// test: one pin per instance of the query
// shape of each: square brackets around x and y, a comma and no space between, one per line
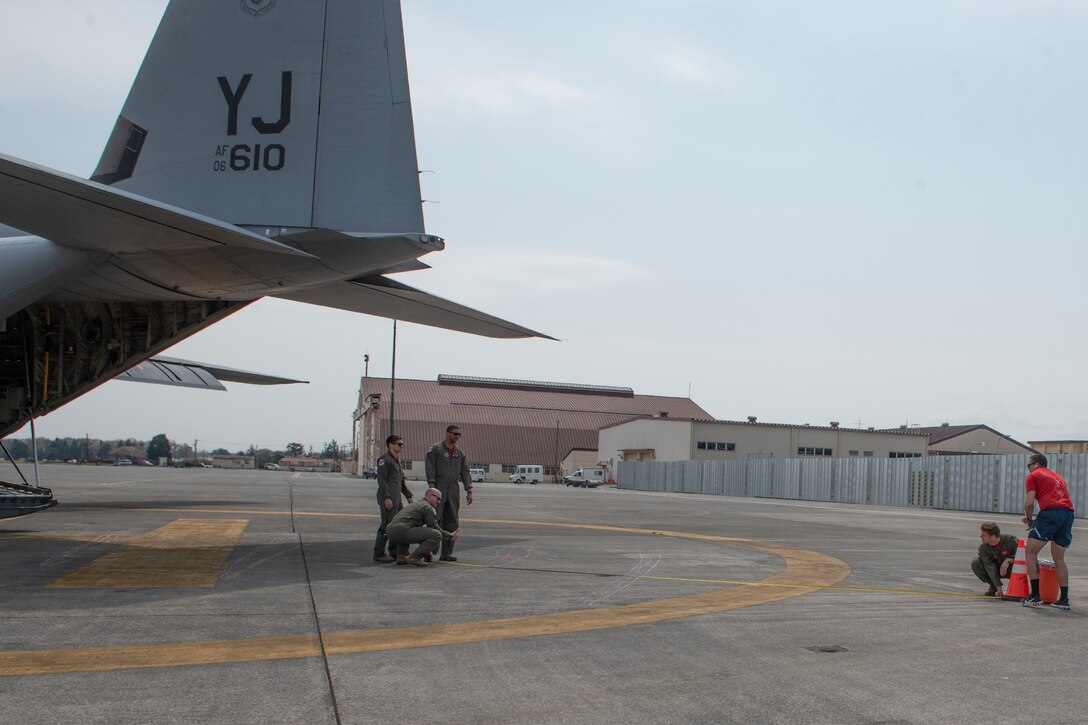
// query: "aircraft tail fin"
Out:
[276,114]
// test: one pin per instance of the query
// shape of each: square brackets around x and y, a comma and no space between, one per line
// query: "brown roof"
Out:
[513,422]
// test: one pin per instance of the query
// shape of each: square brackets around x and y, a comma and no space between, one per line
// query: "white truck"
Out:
[528,474]
[585,478]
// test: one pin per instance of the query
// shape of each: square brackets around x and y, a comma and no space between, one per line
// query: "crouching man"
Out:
[995,557]
[417,523]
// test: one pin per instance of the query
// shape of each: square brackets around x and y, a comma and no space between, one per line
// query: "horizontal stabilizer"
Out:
[86,215]
[188,374]
[376,295]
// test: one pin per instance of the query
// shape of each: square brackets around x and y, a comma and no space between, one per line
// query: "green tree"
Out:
[295,449]
[158,447]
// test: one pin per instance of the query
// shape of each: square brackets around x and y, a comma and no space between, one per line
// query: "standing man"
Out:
[995,557]
[1054,523]
[446,465]
[390,487]
[416,524]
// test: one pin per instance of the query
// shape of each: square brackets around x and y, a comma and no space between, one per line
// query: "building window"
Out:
[805,451]
[715,446]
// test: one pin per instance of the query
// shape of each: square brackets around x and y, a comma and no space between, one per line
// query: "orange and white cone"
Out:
[1018,587]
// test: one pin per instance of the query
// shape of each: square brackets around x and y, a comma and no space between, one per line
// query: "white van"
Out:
[477,474]
[528,474]
[586,477]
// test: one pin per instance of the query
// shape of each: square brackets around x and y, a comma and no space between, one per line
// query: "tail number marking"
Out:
[243,157]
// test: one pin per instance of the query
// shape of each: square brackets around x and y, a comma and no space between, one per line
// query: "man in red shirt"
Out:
[1054,523]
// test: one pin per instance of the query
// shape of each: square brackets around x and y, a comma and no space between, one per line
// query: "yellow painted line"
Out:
[184,553]
[805,571]
[735,582]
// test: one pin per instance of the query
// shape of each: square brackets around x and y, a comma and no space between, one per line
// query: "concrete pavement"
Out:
[200,595]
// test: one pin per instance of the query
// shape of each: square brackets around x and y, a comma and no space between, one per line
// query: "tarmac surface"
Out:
[200,595]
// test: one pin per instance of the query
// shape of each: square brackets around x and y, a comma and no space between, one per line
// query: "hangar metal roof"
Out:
[514,421]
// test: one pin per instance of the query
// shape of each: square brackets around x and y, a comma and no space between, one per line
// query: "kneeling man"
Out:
[995,557]
[417,523]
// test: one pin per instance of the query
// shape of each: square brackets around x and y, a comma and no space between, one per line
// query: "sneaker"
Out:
[383,558]
[447,557]
[415,562]
[1033,602]
[1062,604]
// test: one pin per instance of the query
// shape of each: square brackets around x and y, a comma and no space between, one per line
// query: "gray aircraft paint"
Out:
[265,149]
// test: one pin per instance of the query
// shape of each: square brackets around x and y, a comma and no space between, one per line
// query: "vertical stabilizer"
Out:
[279,113]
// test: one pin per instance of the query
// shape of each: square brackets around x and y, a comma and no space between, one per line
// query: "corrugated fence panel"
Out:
[1073,468]
[816,479]
[965,483]
[760,480]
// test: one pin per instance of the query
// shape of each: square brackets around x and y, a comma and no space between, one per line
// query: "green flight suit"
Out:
[391,485]
[987,565]
[445,468]
[416,523]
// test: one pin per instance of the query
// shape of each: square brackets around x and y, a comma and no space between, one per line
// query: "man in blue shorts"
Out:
[1054,523]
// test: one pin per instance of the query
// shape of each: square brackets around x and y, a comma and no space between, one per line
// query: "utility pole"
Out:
[393,383]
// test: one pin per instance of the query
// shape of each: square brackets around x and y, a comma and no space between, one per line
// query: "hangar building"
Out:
[656,439]
[504,422]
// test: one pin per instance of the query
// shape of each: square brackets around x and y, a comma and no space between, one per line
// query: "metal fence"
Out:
[964,483]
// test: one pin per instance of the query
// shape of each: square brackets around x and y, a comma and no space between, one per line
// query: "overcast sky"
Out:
[872,213]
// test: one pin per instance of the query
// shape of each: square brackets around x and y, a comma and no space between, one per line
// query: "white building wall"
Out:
[675,440]
[669,439]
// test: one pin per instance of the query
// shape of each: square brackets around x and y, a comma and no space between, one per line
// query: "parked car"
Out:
[371,472]
[477,474]
[271,467]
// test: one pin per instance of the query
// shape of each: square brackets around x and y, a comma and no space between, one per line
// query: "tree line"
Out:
[160,447]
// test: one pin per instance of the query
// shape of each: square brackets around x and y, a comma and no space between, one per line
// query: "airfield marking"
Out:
[806,571]
[183,553]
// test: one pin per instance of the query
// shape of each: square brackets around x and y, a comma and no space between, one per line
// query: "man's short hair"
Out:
[1038,458]
[452,427]
[392,439]
[991,528]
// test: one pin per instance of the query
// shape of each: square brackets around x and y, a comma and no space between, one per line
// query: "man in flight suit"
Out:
[390,487]
[995,557]
[416,524]
[446,466]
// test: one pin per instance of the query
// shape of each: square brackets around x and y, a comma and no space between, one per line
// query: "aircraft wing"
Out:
[381,296]
[86,215]
[188,374]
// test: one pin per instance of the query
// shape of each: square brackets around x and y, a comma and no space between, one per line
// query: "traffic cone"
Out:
[1018,587]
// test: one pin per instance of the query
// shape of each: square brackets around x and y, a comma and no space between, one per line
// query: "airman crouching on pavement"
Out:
[417,523]
[995,557]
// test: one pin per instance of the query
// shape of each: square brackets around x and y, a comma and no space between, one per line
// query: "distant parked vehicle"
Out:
[585,478]
[478,474]
[528,474]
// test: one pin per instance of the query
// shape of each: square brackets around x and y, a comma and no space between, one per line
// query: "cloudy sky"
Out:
[865,212]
